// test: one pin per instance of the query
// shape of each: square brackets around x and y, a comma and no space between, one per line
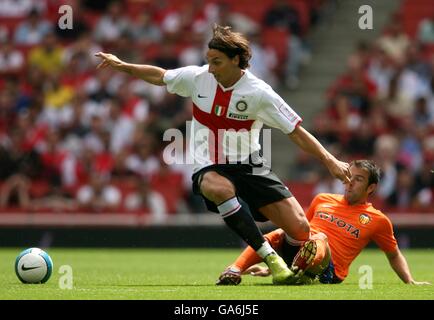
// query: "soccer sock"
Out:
[249,257]
[321,250]
[290,248]
[241,222]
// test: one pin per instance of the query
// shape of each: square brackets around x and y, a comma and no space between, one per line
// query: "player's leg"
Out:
[313,257]
[322,256]
[232,274]
[288,215]
[221,191]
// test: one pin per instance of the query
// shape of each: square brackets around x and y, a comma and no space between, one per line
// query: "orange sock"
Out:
[249,257]
[320,252]
[322,257]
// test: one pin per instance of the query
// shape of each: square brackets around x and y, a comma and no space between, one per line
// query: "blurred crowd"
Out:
[73,138]
[382,108]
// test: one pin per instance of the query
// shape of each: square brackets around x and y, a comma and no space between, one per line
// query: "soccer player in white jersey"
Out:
[231,104]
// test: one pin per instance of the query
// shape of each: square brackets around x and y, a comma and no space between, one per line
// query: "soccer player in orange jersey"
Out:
[341,226]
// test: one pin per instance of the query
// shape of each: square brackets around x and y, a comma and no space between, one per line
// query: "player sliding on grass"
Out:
[341,227]
[230,105]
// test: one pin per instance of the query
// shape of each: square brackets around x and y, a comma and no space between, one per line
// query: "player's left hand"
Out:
[108,60]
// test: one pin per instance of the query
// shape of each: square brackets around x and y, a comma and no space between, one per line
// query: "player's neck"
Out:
[359,202]
[234,79]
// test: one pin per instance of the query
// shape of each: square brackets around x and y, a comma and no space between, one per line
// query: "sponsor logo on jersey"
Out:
[241,106]
[353,231]
[291,116]
[238,116]
[219,110]
[364,218]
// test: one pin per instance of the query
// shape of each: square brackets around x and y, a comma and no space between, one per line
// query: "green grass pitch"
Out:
[190,274]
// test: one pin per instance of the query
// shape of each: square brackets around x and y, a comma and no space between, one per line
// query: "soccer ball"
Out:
[33,266]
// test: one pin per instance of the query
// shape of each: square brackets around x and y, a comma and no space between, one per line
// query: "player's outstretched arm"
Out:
[400,266]
[148,73]
[307,142]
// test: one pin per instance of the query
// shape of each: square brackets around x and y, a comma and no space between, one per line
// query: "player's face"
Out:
[225,70]
[358,190]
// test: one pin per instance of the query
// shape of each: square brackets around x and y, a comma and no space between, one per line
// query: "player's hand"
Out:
[258,271]
[419,283]
[340,170]
[108,60]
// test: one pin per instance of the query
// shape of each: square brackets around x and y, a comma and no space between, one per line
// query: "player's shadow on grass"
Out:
[193,285]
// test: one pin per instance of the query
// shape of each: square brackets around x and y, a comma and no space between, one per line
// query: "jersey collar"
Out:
[240,80]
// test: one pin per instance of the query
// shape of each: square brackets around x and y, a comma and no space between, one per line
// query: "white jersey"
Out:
[227,121]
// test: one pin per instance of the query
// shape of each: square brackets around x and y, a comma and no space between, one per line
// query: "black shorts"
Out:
[254,188]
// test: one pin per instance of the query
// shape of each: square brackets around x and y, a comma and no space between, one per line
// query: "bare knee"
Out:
[216,187]
[302,232]
[319,236]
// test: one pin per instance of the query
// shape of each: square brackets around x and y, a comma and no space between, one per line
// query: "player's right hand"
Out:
[108,60]
[340,170]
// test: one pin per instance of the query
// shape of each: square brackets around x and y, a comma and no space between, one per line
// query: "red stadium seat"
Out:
[278,40]
[39,188]
[413,12]
[303,10]
[302,191]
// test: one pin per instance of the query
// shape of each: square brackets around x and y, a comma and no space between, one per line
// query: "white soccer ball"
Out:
[33,266]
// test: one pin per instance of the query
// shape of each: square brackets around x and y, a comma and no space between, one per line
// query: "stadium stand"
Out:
[62,124]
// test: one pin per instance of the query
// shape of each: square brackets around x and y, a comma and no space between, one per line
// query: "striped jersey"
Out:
[226,122]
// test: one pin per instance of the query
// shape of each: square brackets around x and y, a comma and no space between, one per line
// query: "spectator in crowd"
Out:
[403,194]
[425,33]
[19,164]
[20,8]
[283,15]
[99,194]
[49,56]
[112,24]
[11,60]
[143,198]
[143,160]
[394,42]
[145,32]
[382,107]
[33,30]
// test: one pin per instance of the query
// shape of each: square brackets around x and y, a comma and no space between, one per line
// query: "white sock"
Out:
[229,207]
[292,241]
[265,250]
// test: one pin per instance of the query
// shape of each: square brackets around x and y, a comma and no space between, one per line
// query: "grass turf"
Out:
[190,274]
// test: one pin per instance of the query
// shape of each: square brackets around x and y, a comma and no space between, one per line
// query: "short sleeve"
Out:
[181,81]
[276,113]
[384,236]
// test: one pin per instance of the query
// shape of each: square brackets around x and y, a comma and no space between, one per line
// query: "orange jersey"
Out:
[349,228]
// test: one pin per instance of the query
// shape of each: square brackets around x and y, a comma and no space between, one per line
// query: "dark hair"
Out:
[370,167]
[231,44]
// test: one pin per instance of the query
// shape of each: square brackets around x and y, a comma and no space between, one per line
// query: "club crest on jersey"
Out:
[364,218]
[241,106]
[219,110]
